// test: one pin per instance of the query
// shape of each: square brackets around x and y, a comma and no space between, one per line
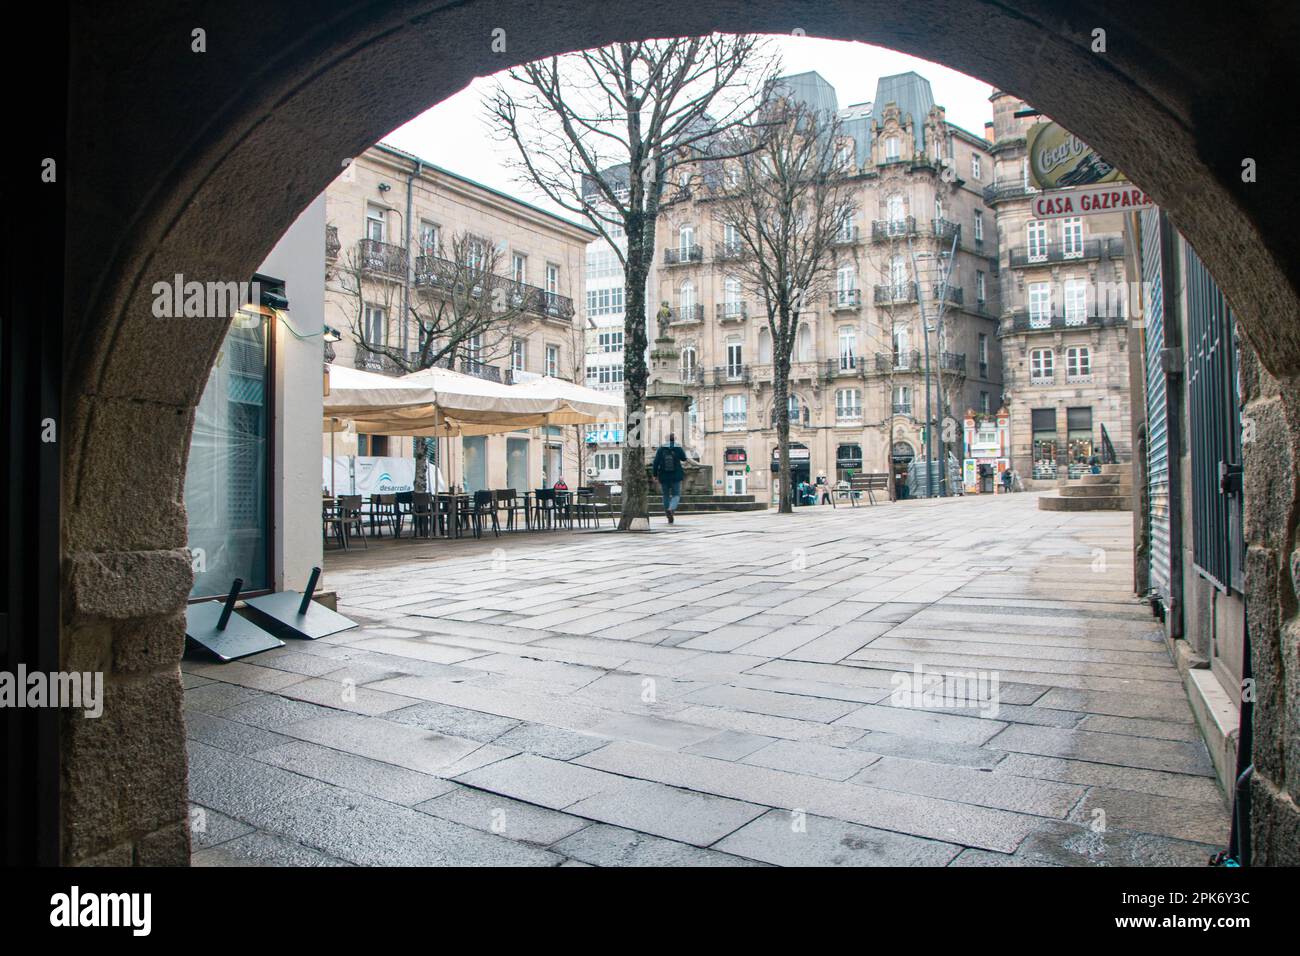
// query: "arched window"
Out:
[798,411]
[688,364]
[764,346]
[686,302]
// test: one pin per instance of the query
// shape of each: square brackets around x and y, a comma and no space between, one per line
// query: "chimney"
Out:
[988,131]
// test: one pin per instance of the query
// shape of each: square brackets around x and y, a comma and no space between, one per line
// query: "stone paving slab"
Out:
[783,839]
[695,696]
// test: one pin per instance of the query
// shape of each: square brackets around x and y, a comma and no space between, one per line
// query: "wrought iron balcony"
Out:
[953,362]
[1013,189]
[883,230]
[727,251]
[905,361]
[945,229]
[730,374]
[895,293]
[683,255]
[732,311]
[479,369]
[1021,320]
[1089,249]
[950,293]
[383,258]
[685,314]
[846,366]
[846,298]
[901,408]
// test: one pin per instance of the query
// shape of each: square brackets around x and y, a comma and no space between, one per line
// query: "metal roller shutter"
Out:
[1157,409]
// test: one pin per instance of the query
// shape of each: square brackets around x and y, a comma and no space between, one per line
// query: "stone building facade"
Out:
[1064,331]
[858,397]
[390,217]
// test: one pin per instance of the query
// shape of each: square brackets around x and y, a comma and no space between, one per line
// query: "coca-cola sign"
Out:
[1058,158]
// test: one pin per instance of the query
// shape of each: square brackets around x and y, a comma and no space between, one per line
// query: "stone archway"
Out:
[194,163]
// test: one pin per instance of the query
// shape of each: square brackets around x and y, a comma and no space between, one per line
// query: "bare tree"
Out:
[462,308]
[607,134]
[787,198]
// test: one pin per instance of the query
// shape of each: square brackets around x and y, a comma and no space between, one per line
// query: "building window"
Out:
[611,341]
[846,283]
[979,226]
[1078,434]
[731,307]
[984,355]
[1040,305]
[1076,301]
[895,212]
[376,325]
[891,149]
[902,400]
[686,241]
[686,302]
[1078,363]
[376,220]
[975,170]
[798,414]
[979,287]
[735,360]
[984,403]
[517,347]
[519,268]
[553,360]
[730,240]
[1043,429]
[848,348]
[902,352]
[430,239]
[845,215]
[607,301]
[1042,366]
[688,364]
[1036,231]
[848,404]
[733,413]
[898,278]
[1072,238]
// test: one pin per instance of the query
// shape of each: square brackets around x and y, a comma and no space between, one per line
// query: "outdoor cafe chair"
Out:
[602,503]
[352,519]
[332,523]
[582,499]
[383,511]
[422,514]
[484,507]
[544,507]
[563,508]
[508,500]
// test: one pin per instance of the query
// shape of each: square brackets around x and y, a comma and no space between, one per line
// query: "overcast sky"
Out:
[455,135]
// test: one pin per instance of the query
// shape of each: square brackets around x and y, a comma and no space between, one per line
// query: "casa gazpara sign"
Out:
[1088,200]
[1058,158]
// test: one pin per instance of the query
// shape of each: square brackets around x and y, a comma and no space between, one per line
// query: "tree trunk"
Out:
[420,452]
[635,431]
[780,395]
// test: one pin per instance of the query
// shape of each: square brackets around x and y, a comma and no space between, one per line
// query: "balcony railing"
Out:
[906,361]
[683,255]
[901,408]
[332,244]
[847,235]
[732,311]
[953,362]
[1088,249]
[945,229]
[1022,320]
[725,251]
[883,230]
[844,366]
[949,293]
[846,298]
[1013,189]
[895,293]
[383,257]
[435,272]
[725,374]
[479,369]
[684,314]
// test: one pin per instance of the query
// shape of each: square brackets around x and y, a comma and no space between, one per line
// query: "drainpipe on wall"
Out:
[416,170]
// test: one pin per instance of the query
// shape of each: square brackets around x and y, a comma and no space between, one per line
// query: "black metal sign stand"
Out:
[215,627]
[293,615]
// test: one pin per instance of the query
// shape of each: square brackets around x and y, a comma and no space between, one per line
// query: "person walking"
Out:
[823,489]
[668,471]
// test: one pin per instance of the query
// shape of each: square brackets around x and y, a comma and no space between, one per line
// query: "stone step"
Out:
[1095,491]
[1102,479]
[1092,503]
